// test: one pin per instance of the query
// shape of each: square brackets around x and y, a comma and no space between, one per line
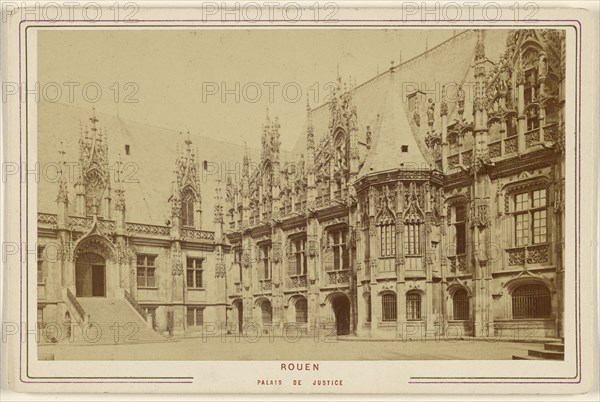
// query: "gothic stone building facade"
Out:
[125,241]
[427,201]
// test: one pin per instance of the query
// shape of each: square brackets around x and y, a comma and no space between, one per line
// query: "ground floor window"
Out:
[195,316]
[413,306]
[460,305]
[388,307]
[266,312]
[531,301]
[301,310]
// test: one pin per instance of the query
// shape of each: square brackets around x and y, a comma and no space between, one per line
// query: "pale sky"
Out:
[179,75]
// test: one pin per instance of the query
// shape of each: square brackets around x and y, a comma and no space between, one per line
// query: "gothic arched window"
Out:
[187,208]
[387,237]
[412,243]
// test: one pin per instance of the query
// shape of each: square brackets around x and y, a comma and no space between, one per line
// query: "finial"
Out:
[61,151]
[426,44]
[117,176]
[268,119]
[93,119]
[400,58]
[188,141]
[338,72]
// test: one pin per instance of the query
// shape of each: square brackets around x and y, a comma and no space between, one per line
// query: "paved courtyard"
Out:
[232,348]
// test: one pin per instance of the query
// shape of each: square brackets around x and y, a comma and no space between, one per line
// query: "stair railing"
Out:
[77,306]
[136,305]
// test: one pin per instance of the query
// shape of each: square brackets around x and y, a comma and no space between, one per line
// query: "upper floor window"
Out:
[265,259]
[340,251]
[531,84]
[299,260]
[187,209]
[533,118]
[460,230]
[146,271]
[511,127]
[40,265]
[412,242]
[412,102]
[530,217]
[237,259]
[194,273]
[387,238]
[453,142]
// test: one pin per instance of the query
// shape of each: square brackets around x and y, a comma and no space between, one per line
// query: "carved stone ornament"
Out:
[480,216]
[176,263]
[220,270]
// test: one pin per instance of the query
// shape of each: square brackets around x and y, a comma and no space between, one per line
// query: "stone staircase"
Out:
[551,351]
[105,315]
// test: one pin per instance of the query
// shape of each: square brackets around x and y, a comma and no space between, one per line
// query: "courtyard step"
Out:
[113,321]
[551,351]
[557,347]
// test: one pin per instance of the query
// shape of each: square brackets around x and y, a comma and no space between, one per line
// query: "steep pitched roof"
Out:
[392,134]
[449,64]
[148,169]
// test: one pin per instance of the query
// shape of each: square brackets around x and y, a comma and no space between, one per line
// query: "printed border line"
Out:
[315,25]
[189,380]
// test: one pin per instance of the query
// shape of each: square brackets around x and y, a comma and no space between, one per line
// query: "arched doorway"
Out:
[266,312]
[238,314]
[341,310]
[90,275]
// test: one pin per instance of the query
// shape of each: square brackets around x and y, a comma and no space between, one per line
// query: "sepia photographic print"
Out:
[299,195]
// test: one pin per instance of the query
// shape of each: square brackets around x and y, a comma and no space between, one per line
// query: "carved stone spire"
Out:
[310,131]
[186,187]
[119,190]
[479,102]
[246,162]
[63,194]
[218,212]
[93,165]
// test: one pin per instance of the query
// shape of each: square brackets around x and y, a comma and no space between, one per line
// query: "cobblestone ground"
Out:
[232,348]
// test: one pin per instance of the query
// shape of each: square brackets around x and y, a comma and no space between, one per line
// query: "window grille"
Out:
[301,310]
[460,305]
[388,307]
[531,301]
[413,306]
